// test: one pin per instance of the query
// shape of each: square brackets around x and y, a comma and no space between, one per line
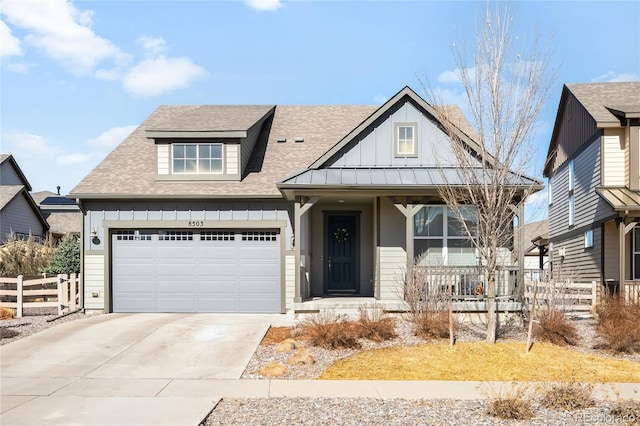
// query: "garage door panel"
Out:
[202,271]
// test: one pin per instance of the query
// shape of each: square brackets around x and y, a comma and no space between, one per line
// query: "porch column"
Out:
[623,230]
[301,206]
[520,216]
[408,210]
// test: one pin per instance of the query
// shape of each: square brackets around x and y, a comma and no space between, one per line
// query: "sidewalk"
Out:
[87,401]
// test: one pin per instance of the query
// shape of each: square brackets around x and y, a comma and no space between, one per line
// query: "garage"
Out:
[196,271]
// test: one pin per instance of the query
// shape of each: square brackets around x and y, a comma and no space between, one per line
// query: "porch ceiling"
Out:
[620,198]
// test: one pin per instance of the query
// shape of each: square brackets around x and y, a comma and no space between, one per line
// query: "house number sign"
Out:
[195,223]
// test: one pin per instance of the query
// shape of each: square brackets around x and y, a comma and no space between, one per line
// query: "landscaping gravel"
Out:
[358,411]
[33,321]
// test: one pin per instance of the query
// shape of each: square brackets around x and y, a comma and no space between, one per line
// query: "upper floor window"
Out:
[406,144]
[550,192]
[571,195]
[571,175]
[202,158]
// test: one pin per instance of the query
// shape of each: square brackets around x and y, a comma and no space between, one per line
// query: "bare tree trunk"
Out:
[532,316]
[450,295]
[491,309]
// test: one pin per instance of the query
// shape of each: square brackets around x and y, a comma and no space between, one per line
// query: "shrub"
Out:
[617,329]
[513,404]
[567,395]
[66,256]
[329,331]
[24,257]
[627,409]
[374,325]
[6,313]
[554,327]
[7,333]
[432,324]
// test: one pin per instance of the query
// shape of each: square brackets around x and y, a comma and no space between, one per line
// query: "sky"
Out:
[77,77]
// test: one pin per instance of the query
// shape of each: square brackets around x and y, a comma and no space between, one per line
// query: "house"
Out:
[535,251]
[593,169]
[62,213]
[19,214]
[269,208]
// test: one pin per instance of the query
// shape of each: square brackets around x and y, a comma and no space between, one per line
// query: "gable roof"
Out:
[9,158]
[461,124]
[129,171]
[8,193]
[605,103]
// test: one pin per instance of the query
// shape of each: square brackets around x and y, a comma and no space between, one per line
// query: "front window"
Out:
[406,145]
[442,239]
[197,158]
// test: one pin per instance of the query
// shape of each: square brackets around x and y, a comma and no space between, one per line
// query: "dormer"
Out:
[208,142]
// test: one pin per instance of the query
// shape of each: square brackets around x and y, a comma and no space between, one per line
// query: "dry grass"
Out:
[567,396]
[617,328]
[505,361]
[626,409]
[553,327]
[511,404]
[6,313]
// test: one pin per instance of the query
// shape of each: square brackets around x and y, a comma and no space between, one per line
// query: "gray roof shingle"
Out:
[598,97]
[207,118]
[129,171]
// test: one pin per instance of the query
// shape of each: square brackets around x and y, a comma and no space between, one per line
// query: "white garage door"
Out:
[196,271]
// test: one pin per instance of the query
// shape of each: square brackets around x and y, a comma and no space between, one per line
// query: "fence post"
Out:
[80,291]
[19,297]
[72,292]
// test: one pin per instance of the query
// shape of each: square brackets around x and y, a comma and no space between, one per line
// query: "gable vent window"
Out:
[406,140]
[197,158]
[133,236]
[217,236]
[175,236]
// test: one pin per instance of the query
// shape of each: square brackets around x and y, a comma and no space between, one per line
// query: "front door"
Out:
[341,253]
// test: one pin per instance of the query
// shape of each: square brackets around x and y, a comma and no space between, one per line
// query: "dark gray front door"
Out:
[341,244]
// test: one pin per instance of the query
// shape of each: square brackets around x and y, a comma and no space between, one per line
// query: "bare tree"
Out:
[506,82]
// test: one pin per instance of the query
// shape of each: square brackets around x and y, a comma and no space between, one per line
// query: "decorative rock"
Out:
[273,369]
[287,345]
[302,357]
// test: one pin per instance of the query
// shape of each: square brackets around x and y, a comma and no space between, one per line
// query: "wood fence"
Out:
[63,292]
[571,297]
[632,291]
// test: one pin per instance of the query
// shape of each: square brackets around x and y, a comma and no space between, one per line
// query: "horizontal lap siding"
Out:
[8,175]
[393,263]
[93,274]
[614,170]
[290,280]
[580,263]
[18,216]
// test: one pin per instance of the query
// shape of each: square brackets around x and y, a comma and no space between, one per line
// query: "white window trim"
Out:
[572,209]
[445,235]
[198,145]
[571,175]
[588,238]
[550,192]
[396,140]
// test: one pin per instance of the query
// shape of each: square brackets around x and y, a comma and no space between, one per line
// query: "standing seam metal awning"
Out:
[620,198]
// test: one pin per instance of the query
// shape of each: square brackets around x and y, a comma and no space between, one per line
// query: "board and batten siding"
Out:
[615,170]
[93,275]
[376,148]
[576,128]
[590,208]
[18,216]
[247,144]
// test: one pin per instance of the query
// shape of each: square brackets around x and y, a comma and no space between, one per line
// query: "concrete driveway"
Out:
[116,368]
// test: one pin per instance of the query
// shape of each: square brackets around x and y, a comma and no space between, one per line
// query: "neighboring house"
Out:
[268,208]
[535,251]
[19,214]
[593,166]
[62,214]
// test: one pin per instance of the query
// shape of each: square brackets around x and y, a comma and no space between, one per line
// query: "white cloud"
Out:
[154,46]
[455,76]
[160,75]
[10,44]
[26,145]
[63,33]
[262,5]
[73,159]
[380,99]
[18,67]
[112,137]
[611,77]
[536,206]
